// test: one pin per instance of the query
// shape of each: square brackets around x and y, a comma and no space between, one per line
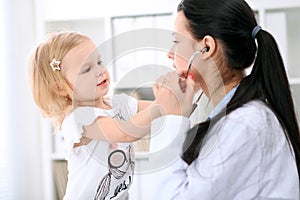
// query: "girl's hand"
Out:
[174,94]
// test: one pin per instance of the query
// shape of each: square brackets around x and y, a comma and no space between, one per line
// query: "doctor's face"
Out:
[183,45]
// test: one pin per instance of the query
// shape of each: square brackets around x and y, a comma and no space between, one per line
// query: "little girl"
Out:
[69,84]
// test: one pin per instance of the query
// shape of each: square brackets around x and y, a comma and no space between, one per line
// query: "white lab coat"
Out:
[244,156]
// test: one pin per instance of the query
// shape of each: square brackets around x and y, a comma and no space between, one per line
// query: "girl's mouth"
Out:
[103,83]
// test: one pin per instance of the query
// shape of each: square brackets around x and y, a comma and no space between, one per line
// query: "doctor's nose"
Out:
[171,53]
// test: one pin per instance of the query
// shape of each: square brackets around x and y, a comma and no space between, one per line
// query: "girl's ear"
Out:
[61,90]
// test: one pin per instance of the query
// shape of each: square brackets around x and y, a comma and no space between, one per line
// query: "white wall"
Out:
[56,9]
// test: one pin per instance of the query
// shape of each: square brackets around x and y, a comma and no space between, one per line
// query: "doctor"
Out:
[249,146]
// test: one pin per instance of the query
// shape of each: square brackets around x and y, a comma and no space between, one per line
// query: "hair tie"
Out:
[255,30]
[181,5]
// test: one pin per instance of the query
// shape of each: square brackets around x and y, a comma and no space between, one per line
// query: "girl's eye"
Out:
[99,62]
[175,41]
[86,70]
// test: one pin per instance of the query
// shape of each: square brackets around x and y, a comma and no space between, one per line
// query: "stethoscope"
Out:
[183,84]
[205,49]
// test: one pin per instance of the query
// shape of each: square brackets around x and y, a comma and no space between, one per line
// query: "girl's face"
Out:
[85,72]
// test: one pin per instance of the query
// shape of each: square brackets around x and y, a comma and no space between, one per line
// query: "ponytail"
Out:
[269,70]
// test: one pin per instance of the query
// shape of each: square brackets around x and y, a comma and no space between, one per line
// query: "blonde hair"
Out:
[46,84]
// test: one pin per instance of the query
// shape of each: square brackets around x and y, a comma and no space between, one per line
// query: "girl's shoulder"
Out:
[84,115]
[126,103]
[123,99]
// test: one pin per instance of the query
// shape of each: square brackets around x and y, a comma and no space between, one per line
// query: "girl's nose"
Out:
[99,70]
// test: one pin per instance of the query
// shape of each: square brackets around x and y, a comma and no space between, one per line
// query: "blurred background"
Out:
[31,158]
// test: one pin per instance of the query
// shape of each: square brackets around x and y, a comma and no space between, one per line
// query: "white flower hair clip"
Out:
[55,65]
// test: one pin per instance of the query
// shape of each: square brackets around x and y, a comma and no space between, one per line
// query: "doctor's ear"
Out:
[208,44]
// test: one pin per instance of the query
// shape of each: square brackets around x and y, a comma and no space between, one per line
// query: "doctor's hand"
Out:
[174,94]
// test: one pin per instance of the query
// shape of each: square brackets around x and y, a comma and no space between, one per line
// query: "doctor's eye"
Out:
[99,62]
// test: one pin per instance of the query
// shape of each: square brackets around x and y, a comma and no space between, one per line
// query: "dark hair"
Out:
[232,22]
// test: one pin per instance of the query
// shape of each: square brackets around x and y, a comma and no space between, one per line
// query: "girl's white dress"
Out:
[96,171]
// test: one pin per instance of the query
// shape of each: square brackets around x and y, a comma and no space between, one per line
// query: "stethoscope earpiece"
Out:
[206,49]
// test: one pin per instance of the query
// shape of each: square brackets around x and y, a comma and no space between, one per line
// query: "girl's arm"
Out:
[142,104]
[170,100]
[114,130]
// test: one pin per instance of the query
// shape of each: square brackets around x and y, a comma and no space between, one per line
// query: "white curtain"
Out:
[6,188]
[20,154]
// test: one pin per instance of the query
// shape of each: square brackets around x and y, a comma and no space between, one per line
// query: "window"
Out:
[139,41]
